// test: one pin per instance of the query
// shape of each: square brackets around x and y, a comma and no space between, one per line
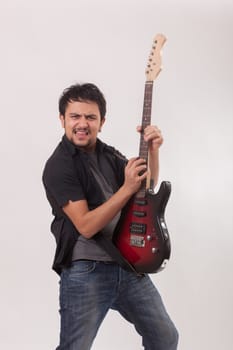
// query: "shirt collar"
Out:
[72,149]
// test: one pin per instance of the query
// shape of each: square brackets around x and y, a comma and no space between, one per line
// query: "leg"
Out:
[140,303]
[85,298]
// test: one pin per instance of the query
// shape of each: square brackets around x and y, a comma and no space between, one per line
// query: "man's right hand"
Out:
[135,173]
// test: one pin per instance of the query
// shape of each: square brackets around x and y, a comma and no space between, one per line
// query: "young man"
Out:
[87,184]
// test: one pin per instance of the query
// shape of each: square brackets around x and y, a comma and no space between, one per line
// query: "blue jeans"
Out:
[88,289]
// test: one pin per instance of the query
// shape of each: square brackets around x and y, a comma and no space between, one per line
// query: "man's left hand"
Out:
[152,135]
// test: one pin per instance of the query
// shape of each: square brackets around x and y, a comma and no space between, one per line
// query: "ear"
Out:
[101,123]
[62,119]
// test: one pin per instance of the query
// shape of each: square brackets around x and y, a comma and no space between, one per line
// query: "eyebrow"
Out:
[85,115]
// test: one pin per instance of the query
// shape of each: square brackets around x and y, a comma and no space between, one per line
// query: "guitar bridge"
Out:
[137,241]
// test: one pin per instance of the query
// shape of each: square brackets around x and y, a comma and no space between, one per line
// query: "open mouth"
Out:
[81,132]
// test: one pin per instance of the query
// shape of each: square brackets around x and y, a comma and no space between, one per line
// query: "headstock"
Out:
[154,62]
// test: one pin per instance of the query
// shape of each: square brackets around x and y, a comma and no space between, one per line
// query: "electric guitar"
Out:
[141,234]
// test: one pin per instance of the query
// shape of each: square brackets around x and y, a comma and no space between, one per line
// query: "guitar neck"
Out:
[146,120]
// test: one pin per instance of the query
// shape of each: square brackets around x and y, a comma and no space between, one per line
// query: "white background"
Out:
[48,45]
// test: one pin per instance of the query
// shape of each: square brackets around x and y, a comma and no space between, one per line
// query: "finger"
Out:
[134,162]
[152,129]
[153,135]
[140,160]
[141,170]
[142,175]
[131,161]
[157,140]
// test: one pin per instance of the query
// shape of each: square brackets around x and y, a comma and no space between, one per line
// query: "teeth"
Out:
[80,131]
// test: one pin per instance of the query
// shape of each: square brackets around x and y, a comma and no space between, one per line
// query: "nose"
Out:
[82,120]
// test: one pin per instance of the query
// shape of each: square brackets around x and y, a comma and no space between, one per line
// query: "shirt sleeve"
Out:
[61,182]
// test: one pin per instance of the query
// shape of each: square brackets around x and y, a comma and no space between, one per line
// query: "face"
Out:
[82,122]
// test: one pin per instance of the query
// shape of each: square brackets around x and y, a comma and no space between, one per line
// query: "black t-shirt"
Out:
[67,176]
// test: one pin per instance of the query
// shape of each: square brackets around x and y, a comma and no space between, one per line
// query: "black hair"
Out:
[83,93]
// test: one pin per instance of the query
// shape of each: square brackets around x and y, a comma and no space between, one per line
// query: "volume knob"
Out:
[155,250]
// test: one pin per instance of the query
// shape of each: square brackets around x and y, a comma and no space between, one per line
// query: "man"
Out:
[87,184]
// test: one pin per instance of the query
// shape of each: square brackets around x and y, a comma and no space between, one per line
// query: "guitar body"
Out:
[141,234]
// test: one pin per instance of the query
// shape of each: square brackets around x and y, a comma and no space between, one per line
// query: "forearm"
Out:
[154,166]
[153,136]
[89,222]
[95,220]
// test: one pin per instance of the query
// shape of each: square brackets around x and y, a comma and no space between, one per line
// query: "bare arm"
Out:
[89,222]
[153,136]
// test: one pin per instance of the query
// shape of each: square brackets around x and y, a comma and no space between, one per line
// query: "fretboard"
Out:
[146,120]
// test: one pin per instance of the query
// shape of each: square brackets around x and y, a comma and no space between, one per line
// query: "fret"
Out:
[142,191]
[146,120]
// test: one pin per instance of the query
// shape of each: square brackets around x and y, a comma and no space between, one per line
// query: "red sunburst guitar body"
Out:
[141,234]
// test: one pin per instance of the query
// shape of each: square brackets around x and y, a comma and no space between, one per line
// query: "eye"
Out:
[75,116]
[91,117]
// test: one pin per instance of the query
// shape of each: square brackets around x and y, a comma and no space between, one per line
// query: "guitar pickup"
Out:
[136,227]
[141,201]
[140,214]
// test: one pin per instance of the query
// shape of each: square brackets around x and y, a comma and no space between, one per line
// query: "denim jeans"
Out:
[88,289]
